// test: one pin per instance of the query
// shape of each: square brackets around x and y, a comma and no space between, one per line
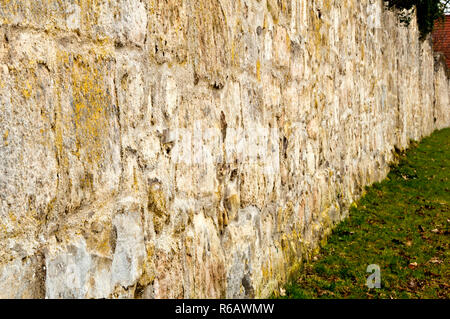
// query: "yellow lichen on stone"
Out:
[90,102]
[258,70]
[157,206]
[5,137]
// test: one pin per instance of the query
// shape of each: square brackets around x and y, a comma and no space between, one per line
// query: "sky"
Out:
[447,8]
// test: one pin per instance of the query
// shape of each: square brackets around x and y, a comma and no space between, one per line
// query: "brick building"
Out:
[441,38]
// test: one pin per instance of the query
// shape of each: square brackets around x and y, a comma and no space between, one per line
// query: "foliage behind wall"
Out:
[427,12]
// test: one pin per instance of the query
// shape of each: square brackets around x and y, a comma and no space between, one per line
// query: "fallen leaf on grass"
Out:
[412,265]
[444,285]
[436,260]
[321,292]
[412,284]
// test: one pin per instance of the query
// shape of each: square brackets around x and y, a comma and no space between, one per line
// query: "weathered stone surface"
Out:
[182,148]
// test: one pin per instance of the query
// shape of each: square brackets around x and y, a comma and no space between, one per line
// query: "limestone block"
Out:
[130,250]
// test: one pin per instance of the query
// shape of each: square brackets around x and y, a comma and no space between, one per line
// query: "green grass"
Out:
[400,222]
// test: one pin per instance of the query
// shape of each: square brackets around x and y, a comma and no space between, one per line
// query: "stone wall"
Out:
[195,148]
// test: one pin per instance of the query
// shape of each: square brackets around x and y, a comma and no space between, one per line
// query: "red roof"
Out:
[441,38]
